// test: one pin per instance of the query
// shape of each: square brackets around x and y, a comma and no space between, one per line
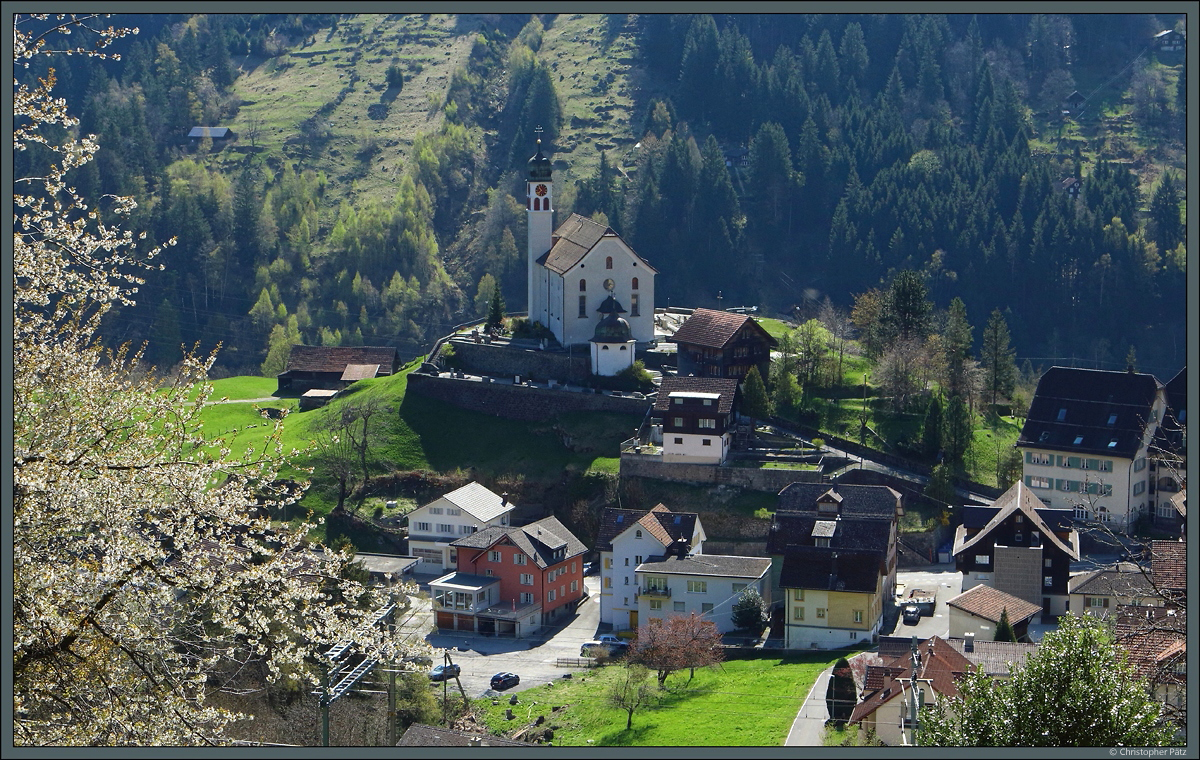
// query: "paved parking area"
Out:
[533,659]
[941,581]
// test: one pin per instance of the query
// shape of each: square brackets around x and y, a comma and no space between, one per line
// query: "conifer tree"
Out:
[495,318]
[1000,368]
[1004,629]
[755,403]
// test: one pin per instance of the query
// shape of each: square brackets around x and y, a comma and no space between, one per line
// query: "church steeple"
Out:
[539,210]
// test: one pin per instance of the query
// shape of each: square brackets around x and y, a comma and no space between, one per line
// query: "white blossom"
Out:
[143,567]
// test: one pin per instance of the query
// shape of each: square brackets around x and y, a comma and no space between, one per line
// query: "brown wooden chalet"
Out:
[1019,546]
[719,344]
[684,401]
[332,368]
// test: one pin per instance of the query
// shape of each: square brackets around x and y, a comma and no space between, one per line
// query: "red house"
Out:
[511,581]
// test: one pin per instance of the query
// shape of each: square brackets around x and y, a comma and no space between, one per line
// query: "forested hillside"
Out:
[370,192]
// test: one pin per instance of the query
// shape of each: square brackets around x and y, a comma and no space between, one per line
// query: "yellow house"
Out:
[833,551]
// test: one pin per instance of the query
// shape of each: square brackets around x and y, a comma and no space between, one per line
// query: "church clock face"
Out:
[540,190]
[609,285]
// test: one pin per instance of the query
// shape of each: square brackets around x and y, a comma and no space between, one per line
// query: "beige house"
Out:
[978,611]
[1086,443]
[1100,592]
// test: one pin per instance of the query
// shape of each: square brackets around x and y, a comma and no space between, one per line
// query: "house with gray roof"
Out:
[511,581]
[709,585]
[1100,592]
[433,527]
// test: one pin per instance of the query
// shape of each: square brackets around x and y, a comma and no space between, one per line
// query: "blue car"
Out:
[444,672]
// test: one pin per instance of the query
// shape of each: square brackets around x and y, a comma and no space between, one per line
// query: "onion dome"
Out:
[539,165]
[612,328]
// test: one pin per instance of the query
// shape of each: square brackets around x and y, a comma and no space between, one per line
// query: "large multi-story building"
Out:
[511,581]
[833,550]
[1086,443]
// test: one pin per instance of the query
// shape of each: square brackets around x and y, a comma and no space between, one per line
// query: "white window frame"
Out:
[526,579]
[697,587]
[519,558]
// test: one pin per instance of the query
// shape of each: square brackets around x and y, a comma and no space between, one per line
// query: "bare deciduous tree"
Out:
[677,642]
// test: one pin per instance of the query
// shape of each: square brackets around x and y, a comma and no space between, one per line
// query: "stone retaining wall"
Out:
[509,361]
[755,479]
[517,402]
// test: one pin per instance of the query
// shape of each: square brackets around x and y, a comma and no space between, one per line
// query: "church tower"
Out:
[539,212]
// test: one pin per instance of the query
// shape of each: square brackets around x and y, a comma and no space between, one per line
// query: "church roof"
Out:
[573,240]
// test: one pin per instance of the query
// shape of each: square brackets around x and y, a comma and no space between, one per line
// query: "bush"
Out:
[521,327]
[628,380]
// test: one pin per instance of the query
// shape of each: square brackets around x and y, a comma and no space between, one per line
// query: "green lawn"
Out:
[774,327]
[421,434]
[742,703]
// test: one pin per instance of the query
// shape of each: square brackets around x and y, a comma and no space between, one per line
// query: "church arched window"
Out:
[537,204]
[583,286]
[608,262]
[635,283]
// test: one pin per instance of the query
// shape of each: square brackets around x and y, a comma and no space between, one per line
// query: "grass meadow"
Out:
[740,703]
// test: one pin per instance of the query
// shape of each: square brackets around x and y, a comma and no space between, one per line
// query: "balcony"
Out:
[658,593]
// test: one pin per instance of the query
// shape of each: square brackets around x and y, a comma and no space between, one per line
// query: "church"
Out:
[586,285]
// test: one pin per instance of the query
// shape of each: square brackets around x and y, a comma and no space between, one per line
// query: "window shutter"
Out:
[1074,461]
[1029,481]
[1060,460]
[1093,464]
[1106,602]
[1028,457]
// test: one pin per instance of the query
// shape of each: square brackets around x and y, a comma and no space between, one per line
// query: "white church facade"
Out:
[575,268]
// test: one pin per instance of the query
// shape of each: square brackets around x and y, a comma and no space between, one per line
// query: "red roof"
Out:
[939,663]
[714,329]
[1168,565]
[336,358]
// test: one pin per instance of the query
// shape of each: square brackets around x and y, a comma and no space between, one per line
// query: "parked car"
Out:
[608,638]
[444,672]
[603,649]
[502,681]
[590,568]
[912,614]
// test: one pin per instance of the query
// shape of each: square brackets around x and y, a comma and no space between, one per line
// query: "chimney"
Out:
[504,499]
[476,741]
[969,642]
